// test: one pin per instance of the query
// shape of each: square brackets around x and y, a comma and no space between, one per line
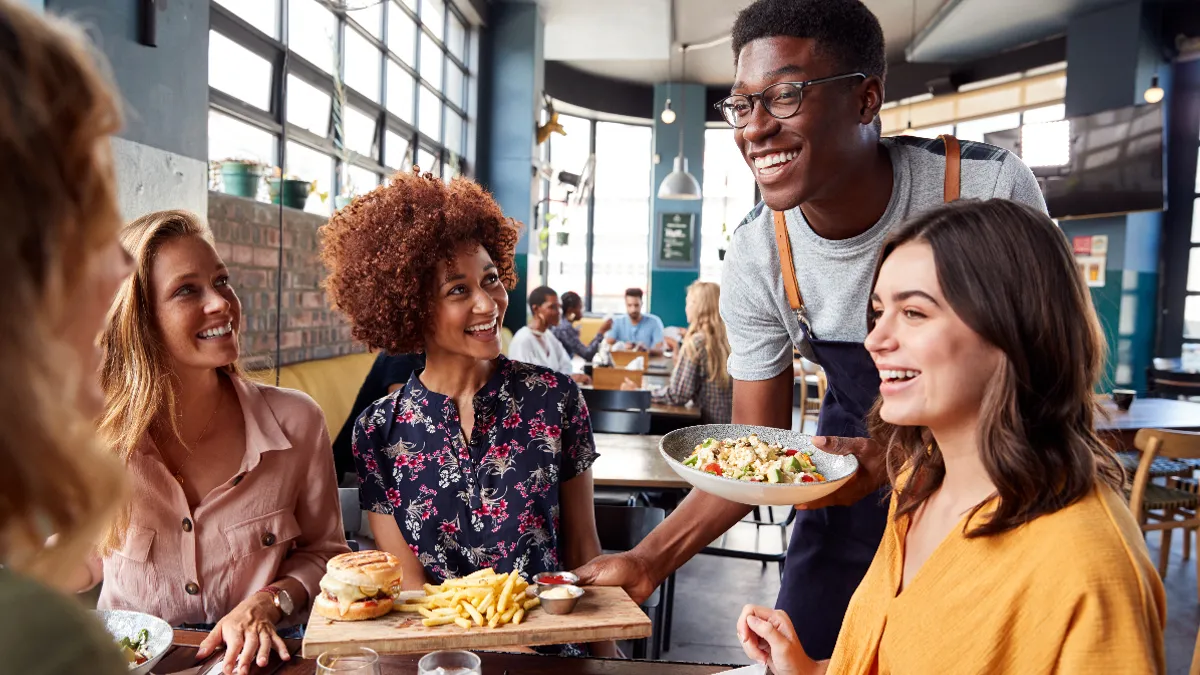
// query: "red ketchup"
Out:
[554,579]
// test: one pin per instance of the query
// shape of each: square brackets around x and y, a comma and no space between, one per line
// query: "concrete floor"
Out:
[704,626]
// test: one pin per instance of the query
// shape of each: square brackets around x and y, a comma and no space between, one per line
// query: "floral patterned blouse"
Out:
[489,502]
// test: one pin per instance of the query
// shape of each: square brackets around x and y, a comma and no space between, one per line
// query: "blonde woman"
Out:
[700,375]
[235,509]
[60,265]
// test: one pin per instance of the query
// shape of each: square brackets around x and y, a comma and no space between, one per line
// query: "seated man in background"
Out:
[388,374]
[637,330]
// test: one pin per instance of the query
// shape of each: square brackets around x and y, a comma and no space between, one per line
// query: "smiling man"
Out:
[809,83]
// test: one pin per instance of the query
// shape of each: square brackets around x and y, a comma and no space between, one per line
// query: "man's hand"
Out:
[871,474]
[626,570]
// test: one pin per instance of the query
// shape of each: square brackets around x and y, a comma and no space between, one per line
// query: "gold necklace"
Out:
[191,448]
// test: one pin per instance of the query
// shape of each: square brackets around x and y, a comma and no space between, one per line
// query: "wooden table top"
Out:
[1151,413]
[181,660]
[628,460]
[675,410]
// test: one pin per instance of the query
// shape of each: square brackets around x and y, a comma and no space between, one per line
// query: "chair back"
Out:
[621,421]
[615,399]
[810,408]
[624,358]
[613,378]
[1172,383]
[623,527]
[1158,443]
[351,511]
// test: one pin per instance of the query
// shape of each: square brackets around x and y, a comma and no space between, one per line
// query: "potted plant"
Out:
[292,191]
[561,237]
[724,242]
[240,177]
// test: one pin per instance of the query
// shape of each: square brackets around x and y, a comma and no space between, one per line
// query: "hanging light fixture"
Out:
[667,115]
[680,183]
[1155,93]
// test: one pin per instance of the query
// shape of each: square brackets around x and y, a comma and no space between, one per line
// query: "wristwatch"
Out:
[282,600]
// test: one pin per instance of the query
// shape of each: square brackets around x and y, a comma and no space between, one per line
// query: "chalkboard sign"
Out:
[675,238]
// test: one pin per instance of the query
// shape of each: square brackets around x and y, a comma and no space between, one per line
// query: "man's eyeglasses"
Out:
[781,100]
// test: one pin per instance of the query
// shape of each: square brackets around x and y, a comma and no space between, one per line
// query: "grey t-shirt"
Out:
[835,275]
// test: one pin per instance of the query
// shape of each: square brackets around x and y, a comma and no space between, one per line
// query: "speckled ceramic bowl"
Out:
[122,623]
[679,444]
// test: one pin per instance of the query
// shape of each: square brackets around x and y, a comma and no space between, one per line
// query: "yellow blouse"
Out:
[1070,592]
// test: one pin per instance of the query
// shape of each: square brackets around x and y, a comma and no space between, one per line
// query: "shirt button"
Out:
[187,524]
[237,479]
[268,539]
[192,588]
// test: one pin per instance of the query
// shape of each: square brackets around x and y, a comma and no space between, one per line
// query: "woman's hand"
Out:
[629,385]
[671,343]
[768,637]
[606,326]
[248,633]
[581,378]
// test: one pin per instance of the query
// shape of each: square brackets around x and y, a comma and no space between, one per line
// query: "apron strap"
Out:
[783,245]
[953,168]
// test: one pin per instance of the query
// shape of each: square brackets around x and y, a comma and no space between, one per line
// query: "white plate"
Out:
[123,623]
[679,444]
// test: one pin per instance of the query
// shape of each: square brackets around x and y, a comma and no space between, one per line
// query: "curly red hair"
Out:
[382,253]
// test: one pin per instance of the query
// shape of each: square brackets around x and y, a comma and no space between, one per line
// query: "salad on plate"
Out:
[751,459]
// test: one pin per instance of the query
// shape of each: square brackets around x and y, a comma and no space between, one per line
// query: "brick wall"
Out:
[247,236]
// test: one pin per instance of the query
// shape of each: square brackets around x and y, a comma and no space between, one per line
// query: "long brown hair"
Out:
[136,377]
[57,112]
[1009,274]
[708,324]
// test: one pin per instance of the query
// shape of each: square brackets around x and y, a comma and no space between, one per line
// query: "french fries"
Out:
[480,598]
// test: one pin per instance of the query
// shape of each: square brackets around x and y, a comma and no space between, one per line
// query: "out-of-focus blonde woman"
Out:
[700,375]
[60,265]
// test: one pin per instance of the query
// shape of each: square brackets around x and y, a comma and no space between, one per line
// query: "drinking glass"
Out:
[449,663]
[354,660]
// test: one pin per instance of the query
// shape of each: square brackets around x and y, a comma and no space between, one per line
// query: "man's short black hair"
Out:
[539,295]
[633,293]
[844,29]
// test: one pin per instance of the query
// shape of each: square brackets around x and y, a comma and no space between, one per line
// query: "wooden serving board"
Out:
[603,613]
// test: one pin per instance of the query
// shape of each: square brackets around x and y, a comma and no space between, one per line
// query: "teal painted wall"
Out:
[668,284]
[511,106]
[1112,53]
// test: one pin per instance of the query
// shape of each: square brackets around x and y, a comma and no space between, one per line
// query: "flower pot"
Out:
[294,193]
[240,179]
[561,238]
[721,253]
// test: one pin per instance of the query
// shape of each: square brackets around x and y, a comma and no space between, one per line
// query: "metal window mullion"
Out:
[239,109]
[591,229]
[234,27]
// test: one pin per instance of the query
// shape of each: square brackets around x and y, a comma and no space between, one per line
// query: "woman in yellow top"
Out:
[1008,548]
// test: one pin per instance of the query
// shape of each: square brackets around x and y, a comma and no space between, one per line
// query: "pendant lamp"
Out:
[680,183]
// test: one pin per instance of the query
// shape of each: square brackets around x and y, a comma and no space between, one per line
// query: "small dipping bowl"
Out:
[559,605]
[547,579]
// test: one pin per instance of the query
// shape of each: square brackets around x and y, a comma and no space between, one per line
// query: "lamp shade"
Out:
[679,184]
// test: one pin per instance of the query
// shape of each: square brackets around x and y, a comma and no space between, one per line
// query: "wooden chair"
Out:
[810,409]
[1196,658]
[1163,507]
[613,378]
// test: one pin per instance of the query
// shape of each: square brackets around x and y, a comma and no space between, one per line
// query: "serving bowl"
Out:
[125,623]
[679,444]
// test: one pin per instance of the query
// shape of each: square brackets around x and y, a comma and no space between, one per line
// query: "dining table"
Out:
[1120,427]
[181,660]
[633,461]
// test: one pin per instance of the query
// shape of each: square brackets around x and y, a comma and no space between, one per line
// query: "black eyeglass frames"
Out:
[781,100]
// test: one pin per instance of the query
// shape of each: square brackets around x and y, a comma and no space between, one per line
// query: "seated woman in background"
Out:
[478,461]
[700,375]
[533,344]
[1009,548]
[234,510]
[568,335]
[60,265]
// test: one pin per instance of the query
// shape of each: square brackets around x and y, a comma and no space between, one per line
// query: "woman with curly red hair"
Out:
[478,461]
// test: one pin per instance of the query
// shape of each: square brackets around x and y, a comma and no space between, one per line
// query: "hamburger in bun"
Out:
[359,585]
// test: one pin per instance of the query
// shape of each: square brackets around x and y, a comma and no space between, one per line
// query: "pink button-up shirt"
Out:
[279,516]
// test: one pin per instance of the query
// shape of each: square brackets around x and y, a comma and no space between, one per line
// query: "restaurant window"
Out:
[621,221]
[728,197]
[563,236]
[1191,301]
[389,106]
